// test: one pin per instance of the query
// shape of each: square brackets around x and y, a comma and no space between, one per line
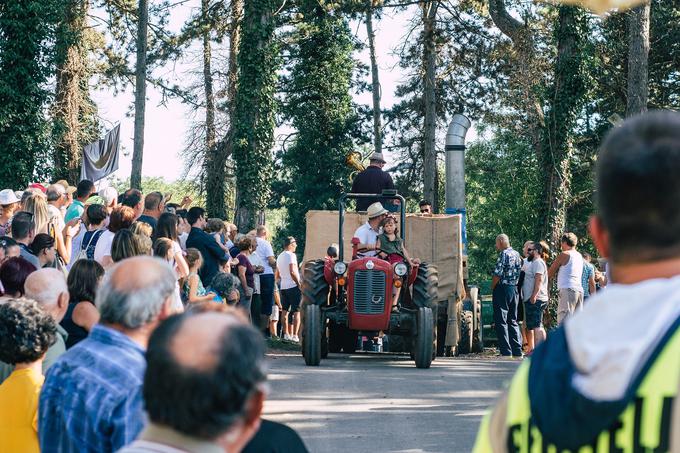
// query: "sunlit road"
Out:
[382,403]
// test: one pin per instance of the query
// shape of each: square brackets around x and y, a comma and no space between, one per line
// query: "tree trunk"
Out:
[375,80]
[218,153]
[429,11]
[253,123]
[638,56]
[567,96]
[140,94]
[70,104]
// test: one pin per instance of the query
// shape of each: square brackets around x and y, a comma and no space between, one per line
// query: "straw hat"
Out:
[377,156]
[7,196]
[375,210]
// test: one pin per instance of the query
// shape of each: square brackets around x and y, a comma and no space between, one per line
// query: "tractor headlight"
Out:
[400,269]
[340,268]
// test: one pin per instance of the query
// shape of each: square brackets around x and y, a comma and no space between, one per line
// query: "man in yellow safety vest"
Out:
[608,379]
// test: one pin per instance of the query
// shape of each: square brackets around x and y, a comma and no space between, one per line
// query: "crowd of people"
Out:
[520,287]
[608,378]
[98,288]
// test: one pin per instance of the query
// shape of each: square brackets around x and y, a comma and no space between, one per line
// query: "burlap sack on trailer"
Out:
[437,240]
[322,231]
[434,239]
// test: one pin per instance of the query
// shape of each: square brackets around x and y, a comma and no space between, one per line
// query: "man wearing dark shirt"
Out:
[212,253]
[153,208]
[372,180]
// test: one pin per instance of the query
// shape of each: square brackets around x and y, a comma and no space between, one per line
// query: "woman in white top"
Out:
[121,217]
[166,227]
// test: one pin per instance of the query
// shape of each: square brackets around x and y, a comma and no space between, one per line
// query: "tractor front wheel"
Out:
[311,335]
[423,347]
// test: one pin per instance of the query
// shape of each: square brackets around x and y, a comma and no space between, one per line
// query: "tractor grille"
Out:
[369,292]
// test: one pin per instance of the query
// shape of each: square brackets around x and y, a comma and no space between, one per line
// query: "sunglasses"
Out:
[530,250]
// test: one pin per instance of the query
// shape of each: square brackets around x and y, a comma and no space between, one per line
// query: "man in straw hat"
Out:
[372,180]
[369,231]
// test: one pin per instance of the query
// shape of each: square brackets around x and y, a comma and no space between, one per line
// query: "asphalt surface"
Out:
[382,403]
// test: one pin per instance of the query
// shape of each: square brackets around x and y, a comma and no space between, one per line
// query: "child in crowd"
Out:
[194,291]
[274,317]
[163,249]
[217,229]
[26,332]
[392,249]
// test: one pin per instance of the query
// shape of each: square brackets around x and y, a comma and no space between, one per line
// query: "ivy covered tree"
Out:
[26,27]
[74,114]
[253,128]
[320,109]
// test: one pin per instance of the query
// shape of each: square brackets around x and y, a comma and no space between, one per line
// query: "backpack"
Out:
[82,253]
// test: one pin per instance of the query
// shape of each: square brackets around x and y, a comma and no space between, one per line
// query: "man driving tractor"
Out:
[369,231]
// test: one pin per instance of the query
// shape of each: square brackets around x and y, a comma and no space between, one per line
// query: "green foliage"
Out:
[503,183]
[320,108]
[26,26]
[253,133]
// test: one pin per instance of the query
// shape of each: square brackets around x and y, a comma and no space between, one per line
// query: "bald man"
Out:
[48,288]
[92,397]
[204,387]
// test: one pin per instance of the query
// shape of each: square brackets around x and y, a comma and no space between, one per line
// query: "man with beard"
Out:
[534,295]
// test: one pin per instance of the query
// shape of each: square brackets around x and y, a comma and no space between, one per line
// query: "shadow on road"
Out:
[382,403]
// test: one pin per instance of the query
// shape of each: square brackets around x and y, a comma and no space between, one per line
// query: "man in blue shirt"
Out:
[92,397]
[84,190]
[211,251]
[504,287]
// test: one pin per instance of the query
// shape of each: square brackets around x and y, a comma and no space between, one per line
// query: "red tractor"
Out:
[344,300]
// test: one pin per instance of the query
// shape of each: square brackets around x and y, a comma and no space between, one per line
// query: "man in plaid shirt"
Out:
[92,397]
[504,287]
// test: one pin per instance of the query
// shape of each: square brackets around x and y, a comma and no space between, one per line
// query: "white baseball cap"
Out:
[109,195]
[7,196]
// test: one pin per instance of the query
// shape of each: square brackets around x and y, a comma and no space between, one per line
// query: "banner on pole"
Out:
[100,158]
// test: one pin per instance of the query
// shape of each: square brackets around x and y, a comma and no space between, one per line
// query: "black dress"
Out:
[75,333]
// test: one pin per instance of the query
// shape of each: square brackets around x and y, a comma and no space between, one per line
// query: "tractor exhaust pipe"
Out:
[455,169]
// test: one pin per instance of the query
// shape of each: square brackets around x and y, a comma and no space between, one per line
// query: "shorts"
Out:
[290,299]
[534,313]
[275,313]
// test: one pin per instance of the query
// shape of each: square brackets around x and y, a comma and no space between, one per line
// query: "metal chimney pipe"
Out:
[455,169]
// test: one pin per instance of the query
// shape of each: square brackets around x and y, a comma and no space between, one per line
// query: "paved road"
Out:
[382,403]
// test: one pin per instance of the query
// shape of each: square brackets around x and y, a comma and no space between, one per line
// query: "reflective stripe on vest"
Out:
[644,426]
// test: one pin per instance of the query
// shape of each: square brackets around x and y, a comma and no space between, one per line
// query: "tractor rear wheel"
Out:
[311,335]
[423,347]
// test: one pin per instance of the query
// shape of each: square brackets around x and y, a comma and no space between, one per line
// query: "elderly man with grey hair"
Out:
[47,287]
[92,397]
[505,297]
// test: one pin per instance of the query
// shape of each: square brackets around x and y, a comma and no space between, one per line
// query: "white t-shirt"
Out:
[537,266]
[264,251]
[368,236]
[255,260]
[182,238]
[103,247]
[283,263]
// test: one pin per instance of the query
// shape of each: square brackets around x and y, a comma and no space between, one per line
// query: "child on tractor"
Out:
[391,248]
